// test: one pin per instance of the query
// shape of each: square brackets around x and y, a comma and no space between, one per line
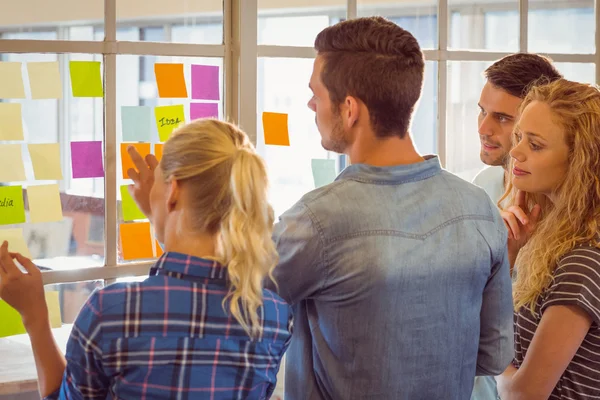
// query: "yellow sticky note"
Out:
[275,126]
[12,205]
[44,203]
[44,80]
[86,79]
[46,161]
[11,81]
[11,121]
[16,241]
[11,163]
[53,303]
[168,118]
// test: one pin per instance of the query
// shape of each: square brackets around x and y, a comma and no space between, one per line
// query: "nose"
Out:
[517,152]
[311,105]
[486,125]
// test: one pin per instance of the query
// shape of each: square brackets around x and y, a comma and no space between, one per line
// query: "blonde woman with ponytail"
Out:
[201,326]
[554,244]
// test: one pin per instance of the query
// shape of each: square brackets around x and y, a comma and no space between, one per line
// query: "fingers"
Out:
[138,161]
[521,201]
[7,261]
[536,213]
[152,161]
[519,213]
[29,266]
[512,224]
[133,175]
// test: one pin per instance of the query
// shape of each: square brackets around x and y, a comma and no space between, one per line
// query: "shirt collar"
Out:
[180,266]
[392,175]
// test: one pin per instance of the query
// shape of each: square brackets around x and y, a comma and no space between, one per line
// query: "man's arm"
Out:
[496,347]
[300,271]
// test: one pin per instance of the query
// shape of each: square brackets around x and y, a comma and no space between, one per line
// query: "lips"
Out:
[519,172]
[489,146]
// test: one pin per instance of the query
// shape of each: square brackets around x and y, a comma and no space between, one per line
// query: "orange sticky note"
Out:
[158,150]
[142,148]
[136,241]
[170,80]
[275,126]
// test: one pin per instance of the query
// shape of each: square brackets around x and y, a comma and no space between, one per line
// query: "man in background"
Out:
[507,83]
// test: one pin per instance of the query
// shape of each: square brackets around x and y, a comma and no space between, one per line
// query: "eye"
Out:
[535,147]
[518,136]
[503,119]
[482,111]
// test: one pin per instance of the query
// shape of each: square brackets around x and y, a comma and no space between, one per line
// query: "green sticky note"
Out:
[11,321]
[131,212]
[12,207]
[86,80]
[168,118]
[323,172]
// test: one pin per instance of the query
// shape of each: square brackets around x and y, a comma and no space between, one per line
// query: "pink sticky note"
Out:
[86,159]
[204,110]
[205,82]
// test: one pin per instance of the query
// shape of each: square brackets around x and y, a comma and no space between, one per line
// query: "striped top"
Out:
[576,282]
[170,338]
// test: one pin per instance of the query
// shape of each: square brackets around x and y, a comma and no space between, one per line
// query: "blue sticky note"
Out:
[323,172]
[137,123]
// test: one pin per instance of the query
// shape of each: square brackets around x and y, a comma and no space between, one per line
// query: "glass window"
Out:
[465,81]
[198,22]
[483,25]
[561,27]
[579,72]
[424,126]
[418,17]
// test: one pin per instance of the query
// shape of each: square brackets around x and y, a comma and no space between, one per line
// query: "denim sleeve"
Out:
[496,340]
[299,274]
[84,377]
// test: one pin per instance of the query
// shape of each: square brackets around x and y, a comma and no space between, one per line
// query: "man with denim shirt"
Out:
[397,271]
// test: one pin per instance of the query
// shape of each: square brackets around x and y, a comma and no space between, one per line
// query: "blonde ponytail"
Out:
[245,239]
[229,200]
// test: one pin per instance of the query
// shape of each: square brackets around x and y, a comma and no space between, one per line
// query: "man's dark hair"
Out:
[377,62]
[517,73]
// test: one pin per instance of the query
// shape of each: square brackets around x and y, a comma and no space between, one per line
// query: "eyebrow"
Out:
[531,134]
[498,114]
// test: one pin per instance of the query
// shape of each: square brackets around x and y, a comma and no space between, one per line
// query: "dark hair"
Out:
[517,73]
[377,62]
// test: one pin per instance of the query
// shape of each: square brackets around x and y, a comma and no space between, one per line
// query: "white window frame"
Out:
[240,53]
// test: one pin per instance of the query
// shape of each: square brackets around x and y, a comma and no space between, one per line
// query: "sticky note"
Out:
[130,209]
[170,80]
[11,121]
[12,323]
[126,163]
[168,118]
[86,159]
[53,303]
[44,80]
[11,81]
[204,110]
[11,163]
[12,205]
[86,80]
[158,151]
[46,161]
[323,172]
[205,82]
[136,241]
[16,241]
[275,126]
[136,123]
[44,203]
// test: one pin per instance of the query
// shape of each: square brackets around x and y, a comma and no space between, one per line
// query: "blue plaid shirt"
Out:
[169,338]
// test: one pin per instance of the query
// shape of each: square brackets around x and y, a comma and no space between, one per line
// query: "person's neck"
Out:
[197,245]
[385,152]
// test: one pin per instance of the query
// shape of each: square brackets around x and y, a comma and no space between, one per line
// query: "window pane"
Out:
[424,126]
[418,17]
[561,27]
[31,16]
[483,25]
[465,81]
[291,23]
[290,170]
[199,22]
[578,72]
[137,86]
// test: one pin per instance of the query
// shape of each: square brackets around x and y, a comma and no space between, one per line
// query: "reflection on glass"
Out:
[579,72]
[418,17]
[563,27]
[483,25]
[291,31]
[465,81]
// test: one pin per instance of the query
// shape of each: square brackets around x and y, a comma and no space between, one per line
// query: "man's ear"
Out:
[351,111]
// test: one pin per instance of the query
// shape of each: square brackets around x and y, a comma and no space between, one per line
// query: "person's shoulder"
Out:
[584,257]
[489,173]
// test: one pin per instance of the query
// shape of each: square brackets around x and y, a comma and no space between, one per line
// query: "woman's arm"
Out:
[504,380]
[557,338]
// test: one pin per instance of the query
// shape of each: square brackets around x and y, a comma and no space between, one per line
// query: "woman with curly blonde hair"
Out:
[554,244]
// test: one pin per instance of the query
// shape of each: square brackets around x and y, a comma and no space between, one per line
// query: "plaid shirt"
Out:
[169,338]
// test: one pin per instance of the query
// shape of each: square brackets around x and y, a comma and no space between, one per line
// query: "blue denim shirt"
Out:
[399,281]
